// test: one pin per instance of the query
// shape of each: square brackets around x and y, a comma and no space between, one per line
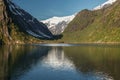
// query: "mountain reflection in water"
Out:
[56,59]
[30,62]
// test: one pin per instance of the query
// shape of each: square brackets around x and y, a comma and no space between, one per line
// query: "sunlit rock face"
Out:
[26,22]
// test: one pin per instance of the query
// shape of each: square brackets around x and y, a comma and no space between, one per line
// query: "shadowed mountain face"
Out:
[26,22]
[14,21]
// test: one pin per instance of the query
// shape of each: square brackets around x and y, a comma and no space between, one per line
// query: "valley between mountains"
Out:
[99,25]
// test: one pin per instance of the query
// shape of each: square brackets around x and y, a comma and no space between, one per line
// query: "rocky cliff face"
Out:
[4,20]
[18,25]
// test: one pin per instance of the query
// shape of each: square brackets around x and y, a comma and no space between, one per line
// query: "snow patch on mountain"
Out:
[107,3]
[27,23]
[58,24]
[55,20]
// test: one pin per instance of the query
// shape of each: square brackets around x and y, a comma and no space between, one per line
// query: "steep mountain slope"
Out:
[17,25]
[58,24]
[102,25]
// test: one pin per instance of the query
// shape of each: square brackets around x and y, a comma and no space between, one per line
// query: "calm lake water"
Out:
[60,62]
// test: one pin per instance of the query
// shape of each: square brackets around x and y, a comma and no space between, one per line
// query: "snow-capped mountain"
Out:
[26,22]
[106,4]
[58,24]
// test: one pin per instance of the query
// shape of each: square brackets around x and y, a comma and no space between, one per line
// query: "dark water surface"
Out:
[59,62]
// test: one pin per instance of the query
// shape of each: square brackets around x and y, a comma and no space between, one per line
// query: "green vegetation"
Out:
[87,27]
[21,37]
[16,36]
[95,26]
[10,31]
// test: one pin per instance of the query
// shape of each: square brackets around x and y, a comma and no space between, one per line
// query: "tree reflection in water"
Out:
[16,60]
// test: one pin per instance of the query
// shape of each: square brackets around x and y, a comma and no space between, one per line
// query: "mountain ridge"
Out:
[102,25]
[58,24]
[18,26]
[105,4]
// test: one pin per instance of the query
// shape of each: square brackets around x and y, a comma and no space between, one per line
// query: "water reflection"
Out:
[100,60]
[4,56]
[16,60]
[26,62]
[56,59]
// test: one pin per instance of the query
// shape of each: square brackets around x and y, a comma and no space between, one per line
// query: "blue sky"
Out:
[43,9]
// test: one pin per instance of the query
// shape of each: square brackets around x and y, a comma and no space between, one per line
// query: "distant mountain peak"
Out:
[108,2]
[57,24]
[56,20]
